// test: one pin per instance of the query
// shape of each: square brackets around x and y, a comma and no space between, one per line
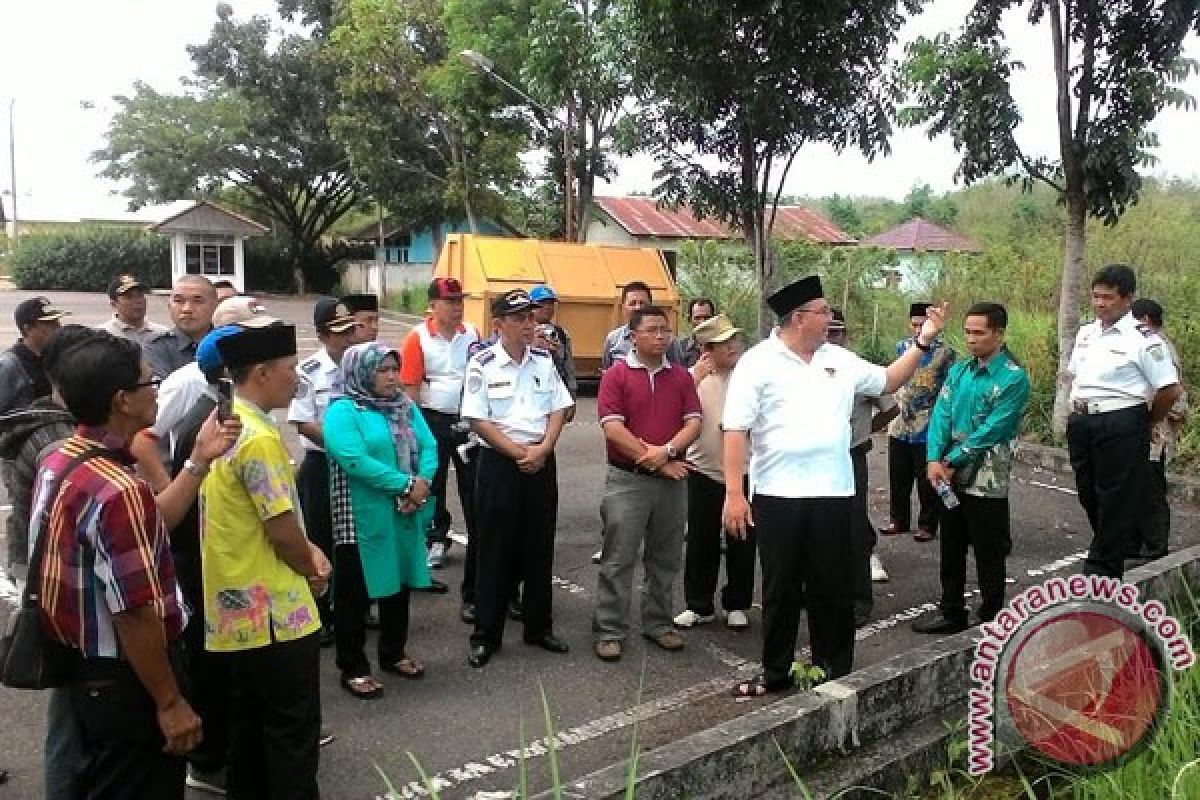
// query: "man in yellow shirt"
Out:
[260,577]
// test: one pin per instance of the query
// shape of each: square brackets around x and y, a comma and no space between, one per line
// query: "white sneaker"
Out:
[878,573]
[437,555]
[689,618]
[597,556]
[210,782]
[737,619]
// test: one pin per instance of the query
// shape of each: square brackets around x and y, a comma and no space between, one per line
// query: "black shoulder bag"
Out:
[29,657]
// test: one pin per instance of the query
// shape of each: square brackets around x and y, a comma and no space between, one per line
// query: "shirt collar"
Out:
[105,438]
[503,358]
[185,342]
[326,360]
[242,405]
[125,326]
[432,327]
[993,364]
[633,362]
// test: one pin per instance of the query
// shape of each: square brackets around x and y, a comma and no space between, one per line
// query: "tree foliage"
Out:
[1116,65]
[748,84]
[253,116]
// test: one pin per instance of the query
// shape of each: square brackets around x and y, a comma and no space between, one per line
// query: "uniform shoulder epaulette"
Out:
[538,351]
[160,335]
[1147,331]
[484,357]
[310,364]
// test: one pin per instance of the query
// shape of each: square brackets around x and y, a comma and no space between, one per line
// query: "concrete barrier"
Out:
[1180,488]
[875,728]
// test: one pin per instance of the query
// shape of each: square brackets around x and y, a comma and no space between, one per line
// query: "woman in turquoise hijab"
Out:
[382,459]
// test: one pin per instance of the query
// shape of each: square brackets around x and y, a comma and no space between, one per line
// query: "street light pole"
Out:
[485,65]
[12,167]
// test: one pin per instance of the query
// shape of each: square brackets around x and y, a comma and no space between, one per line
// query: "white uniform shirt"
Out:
[320,377]
[1128,361]
[178,393]
[798,416]
[517,396]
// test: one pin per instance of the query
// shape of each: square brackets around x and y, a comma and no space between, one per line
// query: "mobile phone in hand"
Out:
[224,399]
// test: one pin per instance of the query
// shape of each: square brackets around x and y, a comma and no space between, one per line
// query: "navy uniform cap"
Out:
[512,302]
[794,295]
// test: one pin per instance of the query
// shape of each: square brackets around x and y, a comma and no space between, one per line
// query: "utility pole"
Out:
[569,171]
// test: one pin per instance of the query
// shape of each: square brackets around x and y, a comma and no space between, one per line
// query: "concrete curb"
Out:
[859,714]
[1180,488]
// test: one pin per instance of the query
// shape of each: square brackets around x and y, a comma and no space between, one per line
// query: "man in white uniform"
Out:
[1117,363]
[789,404]
[320,377]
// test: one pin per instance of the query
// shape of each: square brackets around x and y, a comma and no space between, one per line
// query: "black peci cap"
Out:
[919,309]
[361,302]
[794,295]
[257,345]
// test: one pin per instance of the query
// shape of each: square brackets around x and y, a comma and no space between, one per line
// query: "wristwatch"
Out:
[195,468]
[672,453]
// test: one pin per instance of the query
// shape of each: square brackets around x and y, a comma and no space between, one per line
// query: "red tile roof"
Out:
[641,216]
[920,234]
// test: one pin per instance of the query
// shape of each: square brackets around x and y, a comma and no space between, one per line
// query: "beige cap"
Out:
[241,310]
[715,329]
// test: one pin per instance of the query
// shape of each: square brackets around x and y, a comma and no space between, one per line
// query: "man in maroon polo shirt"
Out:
[650,414]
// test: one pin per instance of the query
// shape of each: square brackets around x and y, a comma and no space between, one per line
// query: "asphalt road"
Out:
[466,728]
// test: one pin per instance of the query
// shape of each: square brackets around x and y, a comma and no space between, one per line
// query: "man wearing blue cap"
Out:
[554,338]
[801,474]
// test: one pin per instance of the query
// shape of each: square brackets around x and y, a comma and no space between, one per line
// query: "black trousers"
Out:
[275,721]
[862,534]
[1154,517]
[1108,454]
[906,465]
[312,486]
[122,743]
[206,686]
[520,513]
[980,523]
[448,441]
[702,565]
[807,556]
[350,604]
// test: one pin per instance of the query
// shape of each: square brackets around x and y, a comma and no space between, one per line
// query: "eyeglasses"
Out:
[155,382]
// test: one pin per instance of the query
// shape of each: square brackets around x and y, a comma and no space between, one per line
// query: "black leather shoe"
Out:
[480,655]
[436,587]
[549,642]
[515,612]
[937,623]
[467,614]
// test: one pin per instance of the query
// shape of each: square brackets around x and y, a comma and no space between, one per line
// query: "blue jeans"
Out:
[64,747]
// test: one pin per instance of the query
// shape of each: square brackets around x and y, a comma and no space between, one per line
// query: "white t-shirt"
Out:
[798,416]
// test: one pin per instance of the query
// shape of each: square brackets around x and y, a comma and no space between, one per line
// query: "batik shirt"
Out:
[251,596]
[917,396]
[975,422]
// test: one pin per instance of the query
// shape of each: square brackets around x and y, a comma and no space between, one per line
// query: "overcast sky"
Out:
[57,55]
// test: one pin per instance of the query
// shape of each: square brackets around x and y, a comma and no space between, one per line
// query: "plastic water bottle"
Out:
[949,498]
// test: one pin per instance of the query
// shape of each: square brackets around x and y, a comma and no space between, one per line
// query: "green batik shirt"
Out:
[975,423]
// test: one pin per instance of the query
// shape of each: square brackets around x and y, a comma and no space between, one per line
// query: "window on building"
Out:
[207,257]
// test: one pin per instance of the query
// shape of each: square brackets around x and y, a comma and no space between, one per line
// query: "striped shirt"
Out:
[108,550]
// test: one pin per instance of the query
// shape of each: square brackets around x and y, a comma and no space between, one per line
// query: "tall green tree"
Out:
[732,89]
[1116,65]
[253,117]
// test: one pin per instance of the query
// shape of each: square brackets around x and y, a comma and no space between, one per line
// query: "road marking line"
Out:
[562,583]
[1052,487]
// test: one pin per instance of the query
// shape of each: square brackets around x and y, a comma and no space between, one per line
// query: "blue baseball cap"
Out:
[542,294]
[208,358]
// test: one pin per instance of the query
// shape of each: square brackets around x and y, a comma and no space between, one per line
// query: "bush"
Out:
[86,259]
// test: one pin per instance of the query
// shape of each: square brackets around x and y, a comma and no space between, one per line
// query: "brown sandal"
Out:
[406,668]
[363,687]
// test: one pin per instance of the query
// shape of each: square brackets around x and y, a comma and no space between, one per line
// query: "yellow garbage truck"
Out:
[587,279]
